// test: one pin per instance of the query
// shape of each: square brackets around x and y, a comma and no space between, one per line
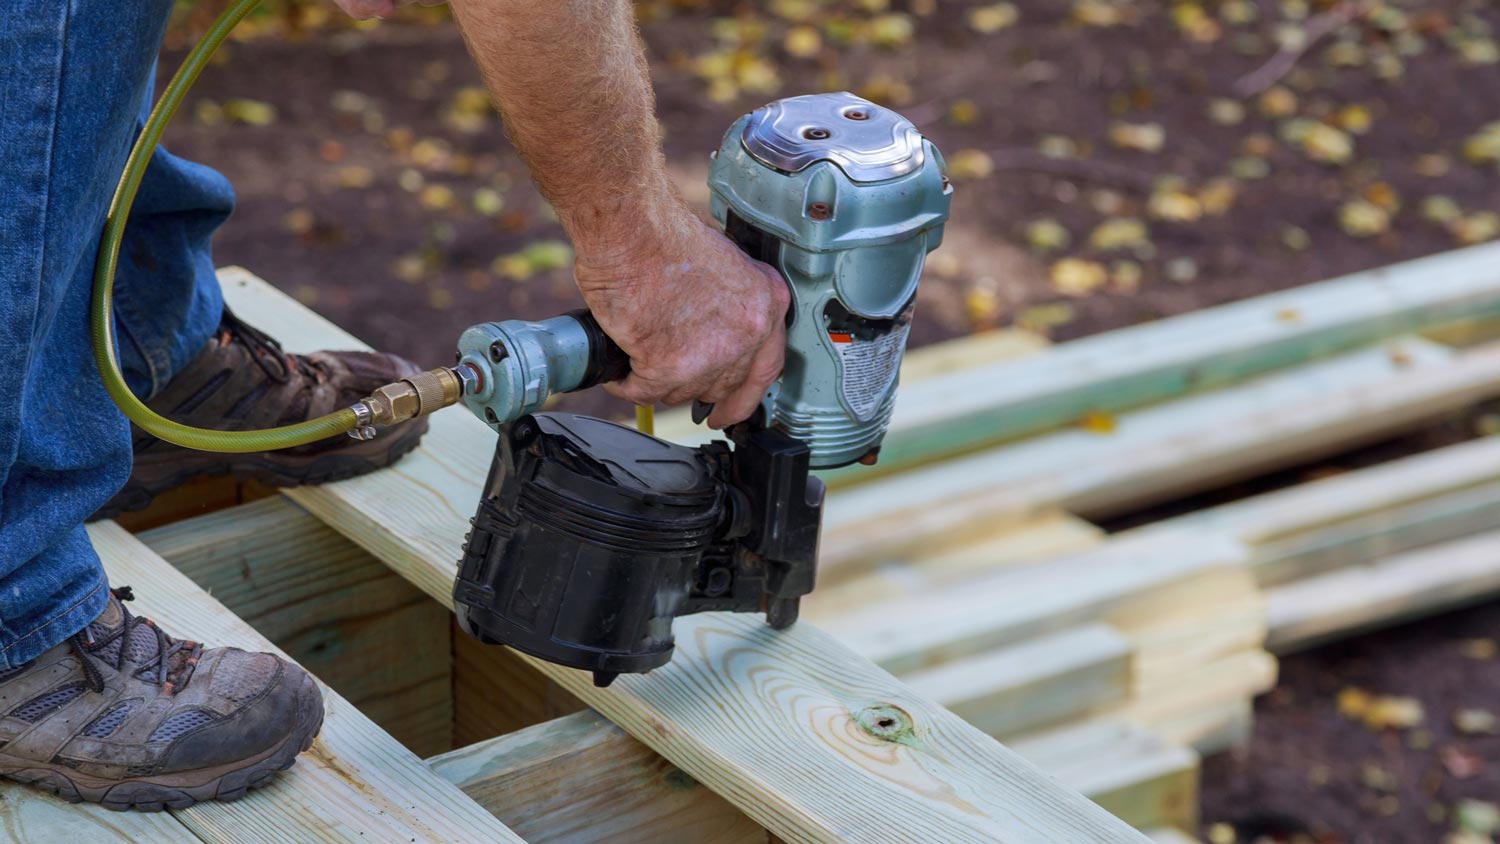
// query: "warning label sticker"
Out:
[870,367]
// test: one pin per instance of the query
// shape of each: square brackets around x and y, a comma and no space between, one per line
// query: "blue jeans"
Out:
[75,84]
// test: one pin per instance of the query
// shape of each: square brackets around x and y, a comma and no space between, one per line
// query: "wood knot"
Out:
[887,722]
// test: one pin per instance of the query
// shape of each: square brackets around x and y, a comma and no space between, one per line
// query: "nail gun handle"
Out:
[606,360]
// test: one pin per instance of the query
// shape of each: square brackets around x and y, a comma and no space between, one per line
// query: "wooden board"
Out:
[495,692]
[1363,515]
[1407,586]
[580,779]
[1035,683]
[335,609]
[1163,451]
[1134,773]
[31,816]
[940,625]
[808,739]
[356,784]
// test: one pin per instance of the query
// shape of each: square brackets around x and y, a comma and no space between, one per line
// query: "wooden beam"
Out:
[1163,451]
[1137,775]
[31,816]
[356,784]
[1207,349]
[1138,576]
[496,692]
[1417,583]
[338,611]
[808,739]
[1033,684]
[580,779]
[1363,515]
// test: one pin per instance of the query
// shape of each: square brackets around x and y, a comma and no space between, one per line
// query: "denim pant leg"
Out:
[76,72]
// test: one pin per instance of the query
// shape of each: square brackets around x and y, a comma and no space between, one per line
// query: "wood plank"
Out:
[356,784]
[30,816]
[1362,515]
[1006,543]
[339,612]
[1135,774]
[1319,609]
[1163,451]
[1126,575]
[580,779]
[1035,683]
[1132,367]
[1173,708]
[808,739]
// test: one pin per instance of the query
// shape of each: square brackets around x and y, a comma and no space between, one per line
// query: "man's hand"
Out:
[699,319]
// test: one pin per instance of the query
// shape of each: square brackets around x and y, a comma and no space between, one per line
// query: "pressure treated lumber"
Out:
[1137,775]
[31,816]
[355,784]
[1035,683]
[339,612]
[580,779]
[808,739]
[1163,451]
[1401,588]
[1363,515]
[1214,347]
[1127,575]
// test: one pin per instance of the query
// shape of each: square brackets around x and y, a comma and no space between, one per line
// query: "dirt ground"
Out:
[1115,161]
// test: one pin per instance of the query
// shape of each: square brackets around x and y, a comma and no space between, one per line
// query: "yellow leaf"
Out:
[1097,422]
[970,165]
[249,112]
[1047,235]
[962,112]
[1363,218]
[1141,137]
[804,42]
[1278,101]
[1175,206]
[991,19]
[436,197]
[1076,277]
[1041,319]
[1119,233]
[891,30]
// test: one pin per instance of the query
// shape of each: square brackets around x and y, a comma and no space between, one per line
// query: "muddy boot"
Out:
[243,380]
[124,715]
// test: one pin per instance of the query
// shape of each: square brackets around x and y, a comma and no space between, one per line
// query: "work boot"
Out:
[126,716]
[243,380]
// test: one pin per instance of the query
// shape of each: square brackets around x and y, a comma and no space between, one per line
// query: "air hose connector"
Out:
[415,395]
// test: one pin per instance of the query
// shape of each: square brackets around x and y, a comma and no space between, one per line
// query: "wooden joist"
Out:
[580,778]
[1400,588]
[804,736]
[339,612]
[1162,451]
[355,784]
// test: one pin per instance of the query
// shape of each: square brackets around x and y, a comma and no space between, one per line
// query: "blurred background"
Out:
[1115,161]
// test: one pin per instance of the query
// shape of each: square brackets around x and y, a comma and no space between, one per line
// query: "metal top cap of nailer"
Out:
[868,142]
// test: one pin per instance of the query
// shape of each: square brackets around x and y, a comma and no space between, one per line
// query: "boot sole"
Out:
[173,791]
[270,470]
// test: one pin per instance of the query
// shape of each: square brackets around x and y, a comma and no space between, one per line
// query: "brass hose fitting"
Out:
[413,396]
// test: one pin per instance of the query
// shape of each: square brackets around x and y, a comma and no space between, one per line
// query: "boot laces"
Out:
[158,669]
[278,364]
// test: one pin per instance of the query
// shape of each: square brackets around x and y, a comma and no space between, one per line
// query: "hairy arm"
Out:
[698,318]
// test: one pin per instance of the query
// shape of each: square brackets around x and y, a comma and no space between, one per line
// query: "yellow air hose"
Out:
[102,311]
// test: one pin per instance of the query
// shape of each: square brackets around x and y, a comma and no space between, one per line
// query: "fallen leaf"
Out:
[970,165]
[1141,137]
[993,18]
[1459,763]
[1479,649]
[1097,422]
[1376,778]
[962,112]
[1440,209]
[1077,277]
[1277,102]
[1476,722]
[1319,141]
[1477,816]
[1475,228]
[1226,112]
[1182,270]
[249,112]
[1119,233]
[1363,218]
[804,42]
[1174,205]
[1041,319]
[1047,235]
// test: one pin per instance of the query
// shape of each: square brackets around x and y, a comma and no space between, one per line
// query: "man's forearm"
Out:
[571,82]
